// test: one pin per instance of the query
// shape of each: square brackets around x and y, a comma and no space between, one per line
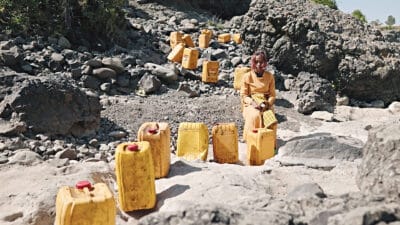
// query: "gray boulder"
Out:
[323,146]
[313,93]
[379,172]
[48,105]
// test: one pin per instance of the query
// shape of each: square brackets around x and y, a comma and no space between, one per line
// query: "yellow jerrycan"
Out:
[85,205]
[204,41]
[210,72]
[177,53]
[225,143]
[175,38]
[207,32]
[189,58]
[260,145]
[205,38]
[135,176]
[187,39]
[224,38]
[238,76]
[158,135]
[237,38]
[192,141]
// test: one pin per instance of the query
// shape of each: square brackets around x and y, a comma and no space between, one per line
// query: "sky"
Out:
[372,9]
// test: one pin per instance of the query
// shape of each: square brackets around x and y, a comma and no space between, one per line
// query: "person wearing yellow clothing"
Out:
[257,95]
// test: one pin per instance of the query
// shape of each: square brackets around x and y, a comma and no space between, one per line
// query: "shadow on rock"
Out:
[283,103]
[140,213]
[171,192]
[180,168]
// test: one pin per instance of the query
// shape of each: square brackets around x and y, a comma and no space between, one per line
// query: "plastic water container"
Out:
[238,76]
[175,38]
[260,145]
[85,204]
[204,41]
[224,38]
[189,58]
[192,141]
[187,39]
[207,32]
[177,53]
[225,143]
[135,176]
[158,135]
[210,71]
[237,38]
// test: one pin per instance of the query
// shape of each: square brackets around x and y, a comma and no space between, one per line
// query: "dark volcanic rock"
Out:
[313,93]
[48,105]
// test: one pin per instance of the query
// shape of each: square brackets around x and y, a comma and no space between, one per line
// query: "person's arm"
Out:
[245,91]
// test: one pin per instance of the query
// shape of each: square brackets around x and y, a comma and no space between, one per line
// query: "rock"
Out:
[104,73]
[9,128]
[322,146]
[309,190]
[314,93]
[10,57]
[114,64]
[117,134]
[25,157]
[161,72]
[64,43]
[66,154]
[49,105]
[394,108]
[322,115]
[379,170]
[149,84]
[184,88]
[342,100]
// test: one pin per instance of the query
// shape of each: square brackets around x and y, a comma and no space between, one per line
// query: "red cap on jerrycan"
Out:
[133,147]
[83,184]
[153,131]
[255,131]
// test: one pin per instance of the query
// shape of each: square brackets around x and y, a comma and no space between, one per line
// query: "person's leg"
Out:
[252,119]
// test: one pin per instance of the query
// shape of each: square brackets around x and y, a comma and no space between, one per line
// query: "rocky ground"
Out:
[336,167]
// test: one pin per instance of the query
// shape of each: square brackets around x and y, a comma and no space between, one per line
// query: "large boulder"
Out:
[379,172]
[48,105]
[299,35]
[313,93]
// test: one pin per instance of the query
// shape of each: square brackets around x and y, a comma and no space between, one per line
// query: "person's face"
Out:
[260,64]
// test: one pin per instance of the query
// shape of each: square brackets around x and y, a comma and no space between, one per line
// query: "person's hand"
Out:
[264,106]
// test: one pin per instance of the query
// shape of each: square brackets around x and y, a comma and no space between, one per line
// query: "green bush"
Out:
[330,3]
[102,18]
[359,15]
